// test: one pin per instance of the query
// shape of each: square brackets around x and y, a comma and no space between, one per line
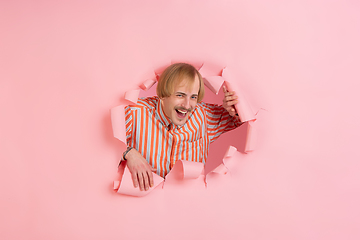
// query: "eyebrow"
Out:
[186,94]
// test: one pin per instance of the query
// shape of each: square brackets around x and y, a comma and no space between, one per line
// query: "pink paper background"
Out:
[65,64]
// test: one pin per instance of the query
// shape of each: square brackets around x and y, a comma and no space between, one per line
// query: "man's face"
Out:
[182,102]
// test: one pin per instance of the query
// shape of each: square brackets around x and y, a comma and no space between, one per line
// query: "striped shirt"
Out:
[162,143]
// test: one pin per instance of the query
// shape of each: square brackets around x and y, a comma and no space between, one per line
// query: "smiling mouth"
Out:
[181,113]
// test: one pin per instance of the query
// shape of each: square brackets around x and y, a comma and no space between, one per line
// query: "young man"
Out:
[174,125]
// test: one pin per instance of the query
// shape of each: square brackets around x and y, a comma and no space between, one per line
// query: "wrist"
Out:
[126,152]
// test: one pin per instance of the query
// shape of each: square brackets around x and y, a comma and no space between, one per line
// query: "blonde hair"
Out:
[175,74]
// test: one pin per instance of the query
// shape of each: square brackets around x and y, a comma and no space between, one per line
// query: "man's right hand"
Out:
[140,169]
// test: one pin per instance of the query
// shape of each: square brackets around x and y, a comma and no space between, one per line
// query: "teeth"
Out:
[182,111]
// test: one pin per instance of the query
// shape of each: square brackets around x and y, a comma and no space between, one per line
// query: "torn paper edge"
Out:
[214,84]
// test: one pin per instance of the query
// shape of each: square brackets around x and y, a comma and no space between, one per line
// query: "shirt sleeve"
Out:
[129,125]
[219,120]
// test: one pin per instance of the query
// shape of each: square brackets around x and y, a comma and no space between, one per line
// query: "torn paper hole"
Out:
[184,169]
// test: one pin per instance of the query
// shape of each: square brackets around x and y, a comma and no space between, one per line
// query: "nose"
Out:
[186,103]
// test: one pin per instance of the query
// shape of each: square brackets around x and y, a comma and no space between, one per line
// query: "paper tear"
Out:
[184,170]
[214,83]
[242,107]
[116,185]
[230,152]
[250,137]
[126,186]
[222,168]
[118,123]
[147,84]
[132,95]
[211,81]
[186,174]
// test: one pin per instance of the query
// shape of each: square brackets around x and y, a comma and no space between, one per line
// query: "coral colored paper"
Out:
[185,176]
[214,83]
[222,168]
[182,170]
[132,95]
[57,163]
[118,123]
[250,136]
[185,170]
[207,70]
[242,107]
[146,85]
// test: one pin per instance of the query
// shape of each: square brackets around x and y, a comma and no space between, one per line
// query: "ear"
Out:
[162,102]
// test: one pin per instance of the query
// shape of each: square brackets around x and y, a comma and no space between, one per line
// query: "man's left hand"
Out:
[229,101]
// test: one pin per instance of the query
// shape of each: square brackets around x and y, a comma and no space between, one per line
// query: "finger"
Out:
[135,179]
[146,181]
[153,169]
[230,94]
[232,103]
[224,89]
[151,179]
[141,181]
[231,97]
[231,111]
